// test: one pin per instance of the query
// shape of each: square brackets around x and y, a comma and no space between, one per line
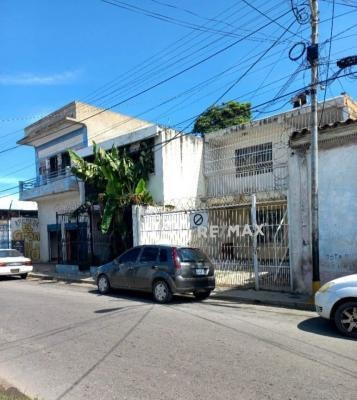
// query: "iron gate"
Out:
[248,244]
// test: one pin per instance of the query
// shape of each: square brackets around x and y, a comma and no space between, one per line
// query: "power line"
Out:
[154,71]
[190,12]
[162,17]
[254,64]
[225,10]
[161,82]
[181,133]
[329,58]
[168,78]
[267,16]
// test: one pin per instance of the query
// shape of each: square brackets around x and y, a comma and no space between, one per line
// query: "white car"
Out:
[337,301]
[12,262]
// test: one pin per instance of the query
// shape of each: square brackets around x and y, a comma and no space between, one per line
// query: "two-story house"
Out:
[248,238]
[58,193]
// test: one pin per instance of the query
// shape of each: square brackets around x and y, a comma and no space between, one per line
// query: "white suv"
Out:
[337,301]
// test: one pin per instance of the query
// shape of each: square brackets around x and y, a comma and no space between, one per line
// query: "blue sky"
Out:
[53,52]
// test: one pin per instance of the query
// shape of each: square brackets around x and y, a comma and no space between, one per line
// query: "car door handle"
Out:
[154,267]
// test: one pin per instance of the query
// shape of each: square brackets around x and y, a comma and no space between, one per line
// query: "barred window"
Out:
[254,160]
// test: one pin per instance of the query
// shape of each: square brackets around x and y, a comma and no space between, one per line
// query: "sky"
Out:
[184,55]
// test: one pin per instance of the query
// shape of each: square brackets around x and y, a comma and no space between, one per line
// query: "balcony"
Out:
[48,184]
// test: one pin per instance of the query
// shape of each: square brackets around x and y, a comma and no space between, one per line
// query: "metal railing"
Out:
[45,179]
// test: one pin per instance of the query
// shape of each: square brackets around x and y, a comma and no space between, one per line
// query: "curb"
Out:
[275,303]
[61,278]
[218,296]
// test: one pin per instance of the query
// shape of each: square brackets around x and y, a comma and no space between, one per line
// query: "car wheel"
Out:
[161,292]
[346,318]
[202,295]
[103,284]
[23,276]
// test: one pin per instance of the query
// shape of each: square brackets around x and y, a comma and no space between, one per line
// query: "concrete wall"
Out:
[181,164]
[47,208]
[337,212]
[107,124]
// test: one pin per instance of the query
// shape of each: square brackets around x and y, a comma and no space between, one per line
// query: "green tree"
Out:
[118,182]
[219,117]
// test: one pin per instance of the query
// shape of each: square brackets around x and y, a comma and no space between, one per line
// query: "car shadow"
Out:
[321,326]
[10,278]
[144,297]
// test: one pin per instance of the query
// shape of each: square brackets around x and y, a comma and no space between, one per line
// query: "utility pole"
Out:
[313,58]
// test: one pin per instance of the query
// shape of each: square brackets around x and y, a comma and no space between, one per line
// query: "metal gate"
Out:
[248,243]
[74,239]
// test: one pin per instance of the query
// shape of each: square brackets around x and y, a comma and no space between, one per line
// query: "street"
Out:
[62,341]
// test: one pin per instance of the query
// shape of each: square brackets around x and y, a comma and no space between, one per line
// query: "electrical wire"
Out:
[182,133]
[226,10]
[162,17]
[254,64]
[166,79]
[328,64]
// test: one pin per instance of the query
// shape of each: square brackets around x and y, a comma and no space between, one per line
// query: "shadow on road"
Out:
[321,326]
[10,278]
[144,297]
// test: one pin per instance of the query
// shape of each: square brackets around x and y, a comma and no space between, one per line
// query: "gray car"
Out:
[161,270]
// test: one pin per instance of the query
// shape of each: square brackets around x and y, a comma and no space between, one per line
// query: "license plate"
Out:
[200,271]
[15,271]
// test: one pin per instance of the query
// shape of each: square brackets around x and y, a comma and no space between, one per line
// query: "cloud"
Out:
[26,79]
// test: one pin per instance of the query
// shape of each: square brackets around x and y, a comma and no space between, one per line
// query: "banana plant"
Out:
[118,181]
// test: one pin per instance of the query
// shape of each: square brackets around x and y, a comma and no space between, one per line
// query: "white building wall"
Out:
[182,166]
[337,213]
[106,125]
[47,208]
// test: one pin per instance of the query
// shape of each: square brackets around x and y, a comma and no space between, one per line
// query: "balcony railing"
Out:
[47,178]
[50,183]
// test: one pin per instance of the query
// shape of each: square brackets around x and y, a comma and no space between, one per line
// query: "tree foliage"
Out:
[117,179]
[219,117]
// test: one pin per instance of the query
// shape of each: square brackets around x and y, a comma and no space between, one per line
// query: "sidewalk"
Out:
[48,271]
[263,297]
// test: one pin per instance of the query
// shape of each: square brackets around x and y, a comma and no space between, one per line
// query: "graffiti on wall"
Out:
[25,237]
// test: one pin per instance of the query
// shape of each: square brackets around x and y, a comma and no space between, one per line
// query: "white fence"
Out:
[227,234]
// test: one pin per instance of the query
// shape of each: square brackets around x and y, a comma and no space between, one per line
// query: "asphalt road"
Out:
[60,341]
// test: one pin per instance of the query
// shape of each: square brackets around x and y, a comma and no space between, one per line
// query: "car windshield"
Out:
[191,255]
[10,253]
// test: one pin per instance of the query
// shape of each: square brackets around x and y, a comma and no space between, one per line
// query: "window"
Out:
[130,256]
[253,160]
[53,166]
[191,255]
[66,160]
[163,255]
[10,253]
[149,254]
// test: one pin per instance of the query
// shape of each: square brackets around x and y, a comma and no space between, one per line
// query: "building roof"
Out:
[336,131]
[338,108]
[305,131]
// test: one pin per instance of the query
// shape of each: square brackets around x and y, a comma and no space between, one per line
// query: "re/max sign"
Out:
[214,231]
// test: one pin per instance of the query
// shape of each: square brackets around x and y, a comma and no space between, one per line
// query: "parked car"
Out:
[161,270]
[12,262]
[337,301]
